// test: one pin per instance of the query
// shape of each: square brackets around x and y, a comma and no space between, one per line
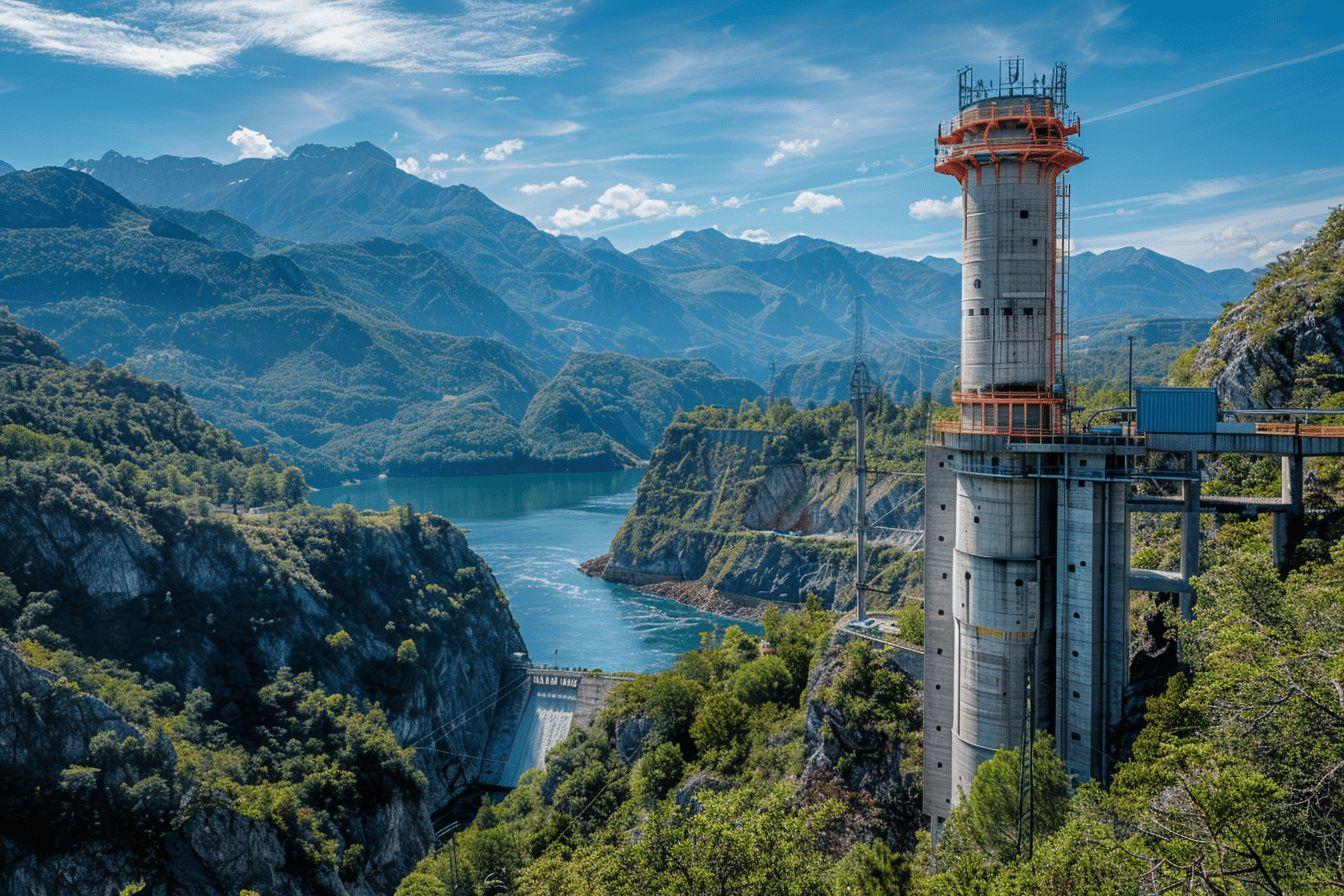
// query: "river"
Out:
[534,530]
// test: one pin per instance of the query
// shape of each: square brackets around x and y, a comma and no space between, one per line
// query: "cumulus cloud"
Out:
[930,209]
[1231,239]
[182,38]
[1305,228]
[754,235]
[816,203]
[787,148]
[617,202]
[667,188]
[409,165]
[501,150]
[568,183]
[1271,249]
[436,157]
[253,144]
[732,202]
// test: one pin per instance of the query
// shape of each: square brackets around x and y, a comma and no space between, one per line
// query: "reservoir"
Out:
[534,530]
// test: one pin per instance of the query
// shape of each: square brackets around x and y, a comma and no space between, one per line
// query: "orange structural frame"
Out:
[1008,413]
[965,145]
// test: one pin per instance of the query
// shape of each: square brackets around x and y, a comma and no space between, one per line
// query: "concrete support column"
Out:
[1190,493]
[1288,532]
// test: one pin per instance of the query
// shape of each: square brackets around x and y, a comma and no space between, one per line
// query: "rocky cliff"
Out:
[206,702]
[861,740]
[731,517]
[1283,345]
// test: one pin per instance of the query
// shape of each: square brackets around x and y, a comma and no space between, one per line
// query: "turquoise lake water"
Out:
[534,530]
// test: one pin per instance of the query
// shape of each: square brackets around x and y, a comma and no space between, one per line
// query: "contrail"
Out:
[1216,82]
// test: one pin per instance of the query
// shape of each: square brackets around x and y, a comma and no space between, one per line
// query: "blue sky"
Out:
[1212,128]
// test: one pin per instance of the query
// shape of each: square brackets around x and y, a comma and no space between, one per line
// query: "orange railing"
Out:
[1300,429]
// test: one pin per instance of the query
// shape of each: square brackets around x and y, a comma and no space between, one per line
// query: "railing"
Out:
[1300,429]
[1009,111]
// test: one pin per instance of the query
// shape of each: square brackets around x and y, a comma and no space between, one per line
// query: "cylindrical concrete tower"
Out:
[1007,147]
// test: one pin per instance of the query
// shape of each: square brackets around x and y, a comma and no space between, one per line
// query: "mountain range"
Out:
[701,293]
[356,318]
[308,349]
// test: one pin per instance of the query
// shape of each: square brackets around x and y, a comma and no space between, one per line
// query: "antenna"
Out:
[860,387]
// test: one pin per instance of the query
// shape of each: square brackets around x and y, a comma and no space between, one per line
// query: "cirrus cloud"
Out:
[183,38]
[816,203]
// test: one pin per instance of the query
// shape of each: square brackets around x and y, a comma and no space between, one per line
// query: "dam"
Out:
[536,712]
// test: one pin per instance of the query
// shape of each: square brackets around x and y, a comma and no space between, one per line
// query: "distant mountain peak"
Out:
[61,197]
[363,149]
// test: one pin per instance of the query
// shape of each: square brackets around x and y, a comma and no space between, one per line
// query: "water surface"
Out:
[534,530]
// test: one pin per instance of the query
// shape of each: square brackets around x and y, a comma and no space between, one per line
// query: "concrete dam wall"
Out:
[556,702]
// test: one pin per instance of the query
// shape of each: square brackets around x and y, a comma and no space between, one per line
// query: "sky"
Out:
[1210,128]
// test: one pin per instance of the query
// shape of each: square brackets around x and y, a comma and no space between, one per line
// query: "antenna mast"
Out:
[860,387]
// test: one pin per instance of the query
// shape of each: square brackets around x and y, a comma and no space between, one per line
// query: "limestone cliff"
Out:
[731,517]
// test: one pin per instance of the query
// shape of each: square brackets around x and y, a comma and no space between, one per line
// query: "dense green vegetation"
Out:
[694,781]
[221,645]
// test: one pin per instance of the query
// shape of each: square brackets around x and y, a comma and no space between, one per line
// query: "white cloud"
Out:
[501,150]
[409,165]
[667,188]
[816,203]
[569,183]
[253,144]
[787,148]
[933,209]
[1305,228]
[436,157]
[173,39]
[754,235]
[734,201]
[1270,250]
[619,201]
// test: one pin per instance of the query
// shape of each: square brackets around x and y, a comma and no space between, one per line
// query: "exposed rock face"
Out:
[47,727]
[1286,336]
[221,579]
[718,525]
[846,757]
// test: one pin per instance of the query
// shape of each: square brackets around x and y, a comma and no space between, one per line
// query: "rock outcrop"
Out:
[729,520]
[862,761]
[1283,345]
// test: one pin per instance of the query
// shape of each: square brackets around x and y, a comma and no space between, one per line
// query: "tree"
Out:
[720,730]
[657,772]
[260,486]
[873,869]
[293,488]
[765,679]
[998,818]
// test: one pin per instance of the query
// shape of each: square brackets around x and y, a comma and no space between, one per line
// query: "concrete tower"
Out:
[990,561]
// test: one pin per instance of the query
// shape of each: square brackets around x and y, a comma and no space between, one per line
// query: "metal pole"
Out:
[1130,400]
[860,501]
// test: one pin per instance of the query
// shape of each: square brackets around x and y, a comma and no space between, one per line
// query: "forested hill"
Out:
[1283,345]
[221,703]
[348,359]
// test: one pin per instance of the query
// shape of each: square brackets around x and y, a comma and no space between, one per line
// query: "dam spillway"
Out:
[542,714]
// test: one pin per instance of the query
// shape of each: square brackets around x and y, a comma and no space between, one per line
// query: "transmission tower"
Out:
[860,388]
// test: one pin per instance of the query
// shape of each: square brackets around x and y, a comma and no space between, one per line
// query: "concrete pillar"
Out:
[1288,533]
[940,513]
[1190,493]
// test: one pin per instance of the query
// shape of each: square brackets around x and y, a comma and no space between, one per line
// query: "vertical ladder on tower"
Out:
[1063,239]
